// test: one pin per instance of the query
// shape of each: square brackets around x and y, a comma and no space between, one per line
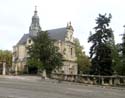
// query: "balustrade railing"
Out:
[115,80]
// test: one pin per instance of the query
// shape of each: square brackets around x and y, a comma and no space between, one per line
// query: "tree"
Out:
[121,67]
[123,54]
[101,51]
[6,56]
[82,60]
[43,53]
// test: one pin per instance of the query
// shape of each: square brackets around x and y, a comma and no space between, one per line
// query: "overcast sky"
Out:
[15,17]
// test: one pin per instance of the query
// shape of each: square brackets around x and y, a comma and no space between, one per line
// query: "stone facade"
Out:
[64,40]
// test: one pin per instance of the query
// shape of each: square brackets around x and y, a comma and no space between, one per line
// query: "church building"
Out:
[64,40]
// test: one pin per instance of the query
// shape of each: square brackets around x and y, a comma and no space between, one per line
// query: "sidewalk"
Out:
[28,78]
[22,77]
[38,78]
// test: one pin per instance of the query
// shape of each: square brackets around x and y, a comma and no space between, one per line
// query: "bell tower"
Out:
[35,26]
[70,31]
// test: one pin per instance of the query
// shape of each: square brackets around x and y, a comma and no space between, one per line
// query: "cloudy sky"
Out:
[15,17]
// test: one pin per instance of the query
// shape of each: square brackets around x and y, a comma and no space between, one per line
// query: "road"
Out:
[16,88]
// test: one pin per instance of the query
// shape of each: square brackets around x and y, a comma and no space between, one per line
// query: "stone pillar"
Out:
[16,69]
[94,80]
[116,81]
[73,78]
[88,79]
[65,77]
[77,78]
[4,68]
[102,81]
[123,80]
[44,74]
[110,81]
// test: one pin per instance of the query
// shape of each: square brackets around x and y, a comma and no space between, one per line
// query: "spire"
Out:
[35,12]
[124,28]
[35,26]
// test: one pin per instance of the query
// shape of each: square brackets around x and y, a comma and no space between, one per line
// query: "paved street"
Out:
[24,88]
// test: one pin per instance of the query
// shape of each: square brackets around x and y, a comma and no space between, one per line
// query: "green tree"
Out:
[116,59]
[101,51]
[121,67]
[82,60]
[123,54]
[34,65]
[6,56]
[44,54]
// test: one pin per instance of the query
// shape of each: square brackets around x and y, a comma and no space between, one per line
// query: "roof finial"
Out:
[69,25]
[35,9]
[124,28]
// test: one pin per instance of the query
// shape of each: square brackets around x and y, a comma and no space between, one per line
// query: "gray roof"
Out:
[57,34]
[23,39]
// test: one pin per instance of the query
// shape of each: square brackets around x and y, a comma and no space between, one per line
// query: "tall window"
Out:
[71,51]
[29,41]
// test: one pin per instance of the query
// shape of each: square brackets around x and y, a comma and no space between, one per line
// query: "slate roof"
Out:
[57,34]
[23,39]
